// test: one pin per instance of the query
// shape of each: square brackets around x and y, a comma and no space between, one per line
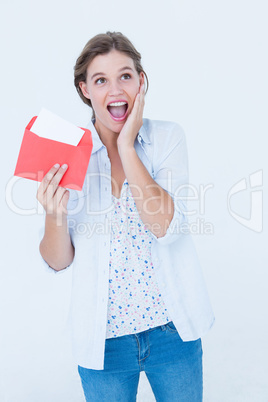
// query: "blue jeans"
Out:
[173,368]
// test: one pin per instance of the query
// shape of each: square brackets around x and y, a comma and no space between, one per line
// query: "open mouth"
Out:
[118,110]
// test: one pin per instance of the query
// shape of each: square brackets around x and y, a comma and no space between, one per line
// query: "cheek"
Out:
[95,101]
[135,86]
[133,93]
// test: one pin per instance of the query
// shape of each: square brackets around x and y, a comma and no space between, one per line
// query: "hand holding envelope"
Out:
[53,198]
[48,140]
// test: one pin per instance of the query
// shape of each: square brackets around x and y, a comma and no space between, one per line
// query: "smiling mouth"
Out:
[118,110]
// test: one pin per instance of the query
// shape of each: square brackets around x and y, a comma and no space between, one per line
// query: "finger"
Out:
[142,92]
[55,180]
[136,105]
[60,196]
[141,103]
[53,202]
[142,89]
[142,98]
[64,199]
[46,179]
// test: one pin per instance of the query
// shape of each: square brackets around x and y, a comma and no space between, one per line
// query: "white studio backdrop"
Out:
[207,65]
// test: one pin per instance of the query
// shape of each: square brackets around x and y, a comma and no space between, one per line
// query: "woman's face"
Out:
[112,85]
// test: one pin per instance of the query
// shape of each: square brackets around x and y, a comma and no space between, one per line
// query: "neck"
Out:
[108,137]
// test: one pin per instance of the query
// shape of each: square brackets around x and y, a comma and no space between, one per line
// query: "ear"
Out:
[141,78]
[83,87]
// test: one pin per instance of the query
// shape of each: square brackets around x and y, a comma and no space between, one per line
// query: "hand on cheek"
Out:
[133,123]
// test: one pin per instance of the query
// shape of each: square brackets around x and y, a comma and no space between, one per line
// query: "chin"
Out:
[107,124]
[117,127]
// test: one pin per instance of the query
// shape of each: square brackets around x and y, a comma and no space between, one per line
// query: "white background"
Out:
[207,65]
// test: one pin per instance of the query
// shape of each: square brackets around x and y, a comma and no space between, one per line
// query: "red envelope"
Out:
[37,156]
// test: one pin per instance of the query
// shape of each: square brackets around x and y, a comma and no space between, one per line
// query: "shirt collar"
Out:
[98,144]
[143,134]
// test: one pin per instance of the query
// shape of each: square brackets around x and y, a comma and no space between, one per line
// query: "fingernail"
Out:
[57,165]
[64,166]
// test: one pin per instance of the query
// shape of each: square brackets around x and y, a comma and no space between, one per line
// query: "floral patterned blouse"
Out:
[135,302]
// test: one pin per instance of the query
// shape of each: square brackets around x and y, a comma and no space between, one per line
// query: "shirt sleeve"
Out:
[171,173]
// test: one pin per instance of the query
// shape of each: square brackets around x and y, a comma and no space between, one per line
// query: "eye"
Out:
[100,81]
[126,76]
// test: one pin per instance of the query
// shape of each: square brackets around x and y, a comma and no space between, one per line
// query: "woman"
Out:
[139,301]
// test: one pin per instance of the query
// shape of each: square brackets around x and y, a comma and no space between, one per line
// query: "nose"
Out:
[115,88]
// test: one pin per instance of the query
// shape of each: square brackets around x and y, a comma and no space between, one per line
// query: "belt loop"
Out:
[163,327]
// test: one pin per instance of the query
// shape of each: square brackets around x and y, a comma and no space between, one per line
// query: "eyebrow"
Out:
[121,69]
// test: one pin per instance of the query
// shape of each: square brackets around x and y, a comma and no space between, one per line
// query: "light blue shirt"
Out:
[161,146]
